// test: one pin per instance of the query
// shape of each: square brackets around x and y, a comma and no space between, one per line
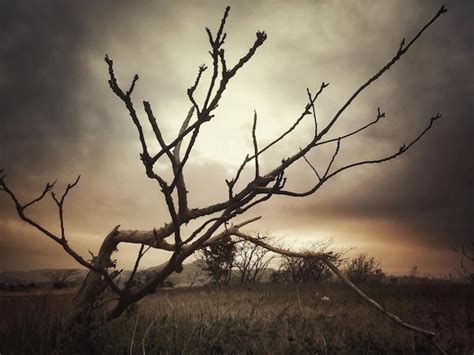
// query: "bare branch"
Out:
[333,158]
[202,69]
[402,150]
[176,151]
[255,144]
[157,131]
[48,188]
[60,204]
[401,51]
[314,111]
[311,166]
[377,119]
[128,103]
[60,240]
[297,122]
[261,37]
[231,183]
[341,276]
[141,252]
[132,86]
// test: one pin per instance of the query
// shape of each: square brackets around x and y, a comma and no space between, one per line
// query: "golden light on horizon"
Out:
[405,212]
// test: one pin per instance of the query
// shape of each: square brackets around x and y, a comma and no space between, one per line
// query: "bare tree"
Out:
[60,278]
[252,260]
[214,220]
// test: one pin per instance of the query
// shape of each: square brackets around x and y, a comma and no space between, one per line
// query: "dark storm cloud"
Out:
[430,191]
[40,59]
[42,133]
[59,118]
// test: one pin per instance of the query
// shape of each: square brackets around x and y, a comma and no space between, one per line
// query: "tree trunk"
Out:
[89,305]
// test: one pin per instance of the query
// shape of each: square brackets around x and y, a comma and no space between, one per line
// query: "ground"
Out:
[261,319]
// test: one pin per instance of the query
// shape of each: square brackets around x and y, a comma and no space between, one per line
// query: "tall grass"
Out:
[264,319]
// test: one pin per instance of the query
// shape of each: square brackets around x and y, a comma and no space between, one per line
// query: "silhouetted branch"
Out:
[306,112]
[47,189]
[325,258]
[157,130]
[402,150]
[377,119]
[61,240]
[401,51]
[255,145]
[60,204]
[140,255]
[338,146]
[128,103]
[325,178]
[311,166]
[215,45]
[132,86]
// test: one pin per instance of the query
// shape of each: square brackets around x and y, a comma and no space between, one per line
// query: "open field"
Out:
[262,319]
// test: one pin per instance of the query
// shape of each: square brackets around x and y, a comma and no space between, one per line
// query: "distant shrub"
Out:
[61,278]
[363,269]
[299,269]
[15,285]
[217,260]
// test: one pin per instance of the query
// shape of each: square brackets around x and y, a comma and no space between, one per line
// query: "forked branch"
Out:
[61,240]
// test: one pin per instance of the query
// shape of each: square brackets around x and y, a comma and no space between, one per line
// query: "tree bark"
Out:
[89,298]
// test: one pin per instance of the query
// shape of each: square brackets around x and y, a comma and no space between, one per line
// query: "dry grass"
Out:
[264,319]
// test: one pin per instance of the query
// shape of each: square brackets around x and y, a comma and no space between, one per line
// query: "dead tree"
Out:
[252,260]
[214,220]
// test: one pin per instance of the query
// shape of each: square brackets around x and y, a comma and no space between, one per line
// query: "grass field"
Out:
[262,319]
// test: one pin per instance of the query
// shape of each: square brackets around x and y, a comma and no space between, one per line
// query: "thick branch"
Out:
[325,258]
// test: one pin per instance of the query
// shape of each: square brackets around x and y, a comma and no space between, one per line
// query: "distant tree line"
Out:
[247,262]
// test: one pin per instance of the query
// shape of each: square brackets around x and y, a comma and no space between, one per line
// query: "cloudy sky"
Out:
[59,119]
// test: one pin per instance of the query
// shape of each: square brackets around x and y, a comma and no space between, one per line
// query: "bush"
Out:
[363,269]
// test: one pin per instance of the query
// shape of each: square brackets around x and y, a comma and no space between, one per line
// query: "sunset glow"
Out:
[60,119]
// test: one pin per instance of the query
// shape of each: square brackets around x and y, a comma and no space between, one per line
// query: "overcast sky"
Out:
[59,119]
